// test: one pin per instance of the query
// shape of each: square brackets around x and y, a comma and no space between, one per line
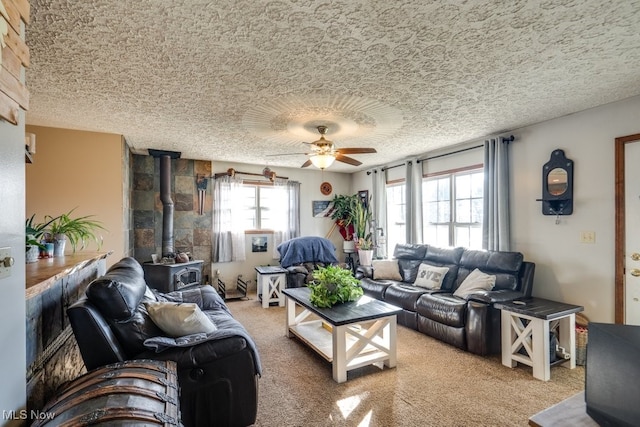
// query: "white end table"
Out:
[272,280]
[541,316]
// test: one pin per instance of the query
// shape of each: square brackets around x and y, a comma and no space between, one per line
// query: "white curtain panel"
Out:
[228,231]
[287,213]
[496,224]
[413,212]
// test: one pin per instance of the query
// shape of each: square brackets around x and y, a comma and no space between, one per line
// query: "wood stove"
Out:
[168,275]
[174,276]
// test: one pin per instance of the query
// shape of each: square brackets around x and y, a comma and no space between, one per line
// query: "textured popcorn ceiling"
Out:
[243,80]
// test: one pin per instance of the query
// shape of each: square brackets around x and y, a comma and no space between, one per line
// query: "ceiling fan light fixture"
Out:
[322,161]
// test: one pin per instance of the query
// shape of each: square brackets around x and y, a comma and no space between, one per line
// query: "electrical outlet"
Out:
[6,262]
[588,237]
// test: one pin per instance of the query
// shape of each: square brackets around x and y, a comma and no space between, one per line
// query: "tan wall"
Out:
[82,170]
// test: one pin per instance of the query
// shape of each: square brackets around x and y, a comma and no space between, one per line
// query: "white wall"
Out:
[567,270]
[12,304]
[310,180]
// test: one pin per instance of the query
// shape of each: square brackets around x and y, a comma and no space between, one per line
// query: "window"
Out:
[396,206]
[259,207]
[452,209]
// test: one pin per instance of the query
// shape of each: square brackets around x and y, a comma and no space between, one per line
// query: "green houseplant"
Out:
[77,230]
[362,225]
[333,284]
[34,235]
[342,214]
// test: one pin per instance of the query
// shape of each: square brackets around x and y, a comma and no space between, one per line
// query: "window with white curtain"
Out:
[452,209]
[260,207]
[396,218]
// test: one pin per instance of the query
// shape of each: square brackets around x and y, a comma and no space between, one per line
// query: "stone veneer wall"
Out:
[192,231]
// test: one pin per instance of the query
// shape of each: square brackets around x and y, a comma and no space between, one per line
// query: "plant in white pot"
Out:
[362,224]
[76,230]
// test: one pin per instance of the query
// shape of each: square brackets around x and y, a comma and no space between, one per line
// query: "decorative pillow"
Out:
[386,269]
[430,276]
[179,319]
[476,281]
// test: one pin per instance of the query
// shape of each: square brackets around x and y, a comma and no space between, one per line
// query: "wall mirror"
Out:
[557,185]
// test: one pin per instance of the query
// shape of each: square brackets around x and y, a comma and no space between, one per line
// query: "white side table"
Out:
[541,316]
[271,281]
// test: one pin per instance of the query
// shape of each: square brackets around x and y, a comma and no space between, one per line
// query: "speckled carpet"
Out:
[434,384]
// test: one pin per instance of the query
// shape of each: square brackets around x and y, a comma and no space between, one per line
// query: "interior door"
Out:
[627,189]
[632,227]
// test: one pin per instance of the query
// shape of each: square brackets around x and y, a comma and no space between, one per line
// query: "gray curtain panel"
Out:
[228,235]
[379,200]
[413,181]
[496,224]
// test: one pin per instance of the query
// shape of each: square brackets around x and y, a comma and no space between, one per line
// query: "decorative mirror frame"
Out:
[557,204]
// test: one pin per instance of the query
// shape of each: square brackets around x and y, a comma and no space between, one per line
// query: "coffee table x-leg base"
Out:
[348,346]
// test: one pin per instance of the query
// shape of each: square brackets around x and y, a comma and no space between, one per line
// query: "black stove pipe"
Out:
[168,249]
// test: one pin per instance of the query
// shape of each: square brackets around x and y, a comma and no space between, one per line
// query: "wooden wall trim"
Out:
[620,241]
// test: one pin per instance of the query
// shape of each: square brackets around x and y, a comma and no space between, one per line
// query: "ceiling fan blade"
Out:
[356,150]
[285,154]
[345,159]
[305,164]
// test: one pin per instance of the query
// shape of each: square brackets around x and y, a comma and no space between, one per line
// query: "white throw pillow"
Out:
[430,276]
[476,281]
[179,319]
[386,269]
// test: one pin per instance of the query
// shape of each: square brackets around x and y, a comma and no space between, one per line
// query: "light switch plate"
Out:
[5,271]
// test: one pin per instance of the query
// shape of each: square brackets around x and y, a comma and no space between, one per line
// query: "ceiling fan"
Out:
[324,152]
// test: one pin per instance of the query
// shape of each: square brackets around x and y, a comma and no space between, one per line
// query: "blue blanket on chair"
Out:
[307,249]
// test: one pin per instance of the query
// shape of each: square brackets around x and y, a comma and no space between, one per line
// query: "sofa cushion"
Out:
[504,265]
[179,319]
[430,277]
[118,293]
[403,295]
[407,251]
[476,281]
[386,269]
[442,308]
[409,269]
[375,288]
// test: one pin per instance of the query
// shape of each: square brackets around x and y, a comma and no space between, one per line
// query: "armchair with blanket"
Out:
[301,255]
[218,369]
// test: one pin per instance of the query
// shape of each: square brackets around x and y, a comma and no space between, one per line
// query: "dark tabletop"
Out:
[363,309]
[270,269]
[540,308]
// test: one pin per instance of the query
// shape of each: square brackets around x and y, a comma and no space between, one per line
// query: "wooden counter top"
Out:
[42,274]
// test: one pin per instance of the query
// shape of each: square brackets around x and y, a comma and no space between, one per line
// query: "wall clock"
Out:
[325,188]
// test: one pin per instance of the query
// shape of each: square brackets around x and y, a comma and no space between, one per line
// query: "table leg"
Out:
[508,337]
[390,336]
[567,338]
[541,357]
[339,343]
[290,317]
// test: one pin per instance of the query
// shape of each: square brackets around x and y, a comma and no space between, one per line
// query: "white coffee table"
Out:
[348,335]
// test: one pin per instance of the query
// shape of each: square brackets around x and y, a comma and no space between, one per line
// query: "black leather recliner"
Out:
[218,378]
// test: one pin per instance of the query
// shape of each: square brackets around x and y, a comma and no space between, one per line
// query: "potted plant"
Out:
[76,230]
[34,234]
[333,284]
[342,214]
[362,223]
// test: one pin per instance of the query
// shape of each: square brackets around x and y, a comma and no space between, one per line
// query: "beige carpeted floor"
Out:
[434,384]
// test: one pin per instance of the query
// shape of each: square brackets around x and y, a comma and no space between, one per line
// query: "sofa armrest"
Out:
[491,297]
[298,269]
[200,354]
[205,297]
